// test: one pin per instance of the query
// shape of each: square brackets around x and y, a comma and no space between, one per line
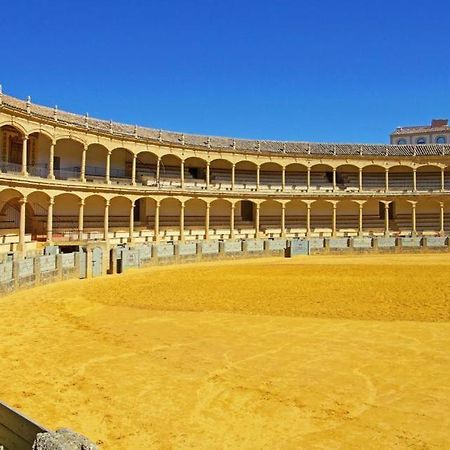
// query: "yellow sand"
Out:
[319,352]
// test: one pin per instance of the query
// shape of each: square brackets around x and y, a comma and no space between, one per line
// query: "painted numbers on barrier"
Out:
[386,242]
[145,252]
[299,247]
[316,243]
[26,268]
[362,242]
[411,241]
[338,243]
[210,247]
[68,260]
[6,271]
[255,246]
[187,249]
[164,250]
[232,246]
[47,263]
[436,241]
[277,244]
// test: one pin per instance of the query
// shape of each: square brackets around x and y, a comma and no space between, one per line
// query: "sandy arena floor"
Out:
[308,353]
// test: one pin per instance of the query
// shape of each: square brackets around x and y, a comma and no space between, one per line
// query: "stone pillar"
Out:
[334,179]
[133,170]
[441,219]
[207,174]
[334,230]
[283,178]
[386,218]
[442,179]
[257,221]
[308,178]
[360,179]
[131,228]
[414,179]
[257,178]
[83,164]
[51,202]
[233,176]
[207,221]
[22,222]
[360,222]
[51,160]
[158,171]
[386,175]
[108,168]
[283,220]
[157,221]
[182,206]
[308,219]
[24,156]
[182,174]
[232,232]
[106,221]
[81,219]
[413,212]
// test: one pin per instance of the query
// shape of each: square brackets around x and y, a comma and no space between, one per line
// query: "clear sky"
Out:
[342,71]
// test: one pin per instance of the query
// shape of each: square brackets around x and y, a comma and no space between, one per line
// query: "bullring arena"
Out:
[342,345]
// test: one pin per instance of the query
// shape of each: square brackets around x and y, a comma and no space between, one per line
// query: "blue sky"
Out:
[332,71]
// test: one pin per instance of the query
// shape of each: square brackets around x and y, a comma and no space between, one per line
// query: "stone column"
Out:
[414,179]
[257,221]
[51,202]
[182,174]
[308,178]
[334,179]
[51,160]
[83,164]
[333,233]
[386,218]
[207,221]
[413,212]
[81,219]
[283,220]
[106,221]
[133,170]
[441,231]
[233,176]
[386,175]
[232,232]
[207,174]
[24,156]
[360,221]
[131,230]
[360,179]
[308,219]
[108,168]
[442,179]
[182,206]
[22,222]
[157,221]
[257,178]
[283,178]
[158,171]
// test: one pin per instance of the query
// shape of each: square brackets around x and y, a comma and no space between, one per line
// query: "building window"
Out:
[441,140]
[401,142]
[421,141]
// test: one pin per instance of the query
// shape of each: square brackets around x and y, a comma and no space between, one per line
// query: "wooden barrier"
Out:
[17,432]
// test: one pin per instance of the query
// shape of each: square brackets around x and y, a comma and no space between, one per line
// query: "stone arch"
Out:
[245,174]
[296,216]
[322,218]
[66,213]
[38,159]
[374,177]
[170,170]
[11,138]
[270,217]
[94,213]
[10,210]
[322,177]
[400,178]
[220,173]
[119,213]
[169,217]
[271,175]
[68,157]
[347,217]
[194,217]
[296,176]
[96,156]
[121,165]
[428,177]
[347,177]
[220,215]
[195,171]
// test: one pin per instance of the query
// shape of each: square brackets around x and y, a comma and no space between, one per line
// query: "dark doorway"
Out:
[247,210]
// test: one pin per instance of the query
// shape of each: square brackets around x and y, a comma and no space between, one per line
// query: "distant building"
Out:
[436,133]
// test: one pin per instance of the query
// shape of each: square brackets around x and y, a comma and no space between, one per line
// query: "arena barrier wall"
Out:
[98,258]
[17,432]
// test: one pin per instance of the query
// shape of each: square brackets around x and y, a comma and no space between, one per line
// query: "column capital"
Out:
[107,203]
[85,147]
[51,201]
[82,202]
[208,206]
[23,200]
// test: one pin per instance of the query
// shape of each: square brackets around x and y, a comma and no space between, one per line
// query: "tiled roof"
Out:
[220,143]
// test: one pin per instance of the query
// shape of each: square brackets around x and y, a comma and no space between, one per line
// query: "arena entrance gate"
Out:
[97,261]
